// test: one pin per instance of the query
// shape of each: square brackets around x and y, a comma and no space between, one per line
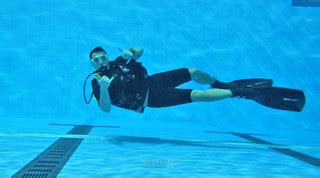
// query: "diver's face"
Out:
[99,59]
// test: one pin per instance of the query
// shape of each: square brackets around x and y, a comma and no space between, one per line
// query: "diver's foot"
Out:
[243,83]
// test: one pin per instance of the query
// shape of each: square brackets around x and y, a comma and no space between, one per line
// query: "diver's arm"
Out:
[137,52]
[105,101]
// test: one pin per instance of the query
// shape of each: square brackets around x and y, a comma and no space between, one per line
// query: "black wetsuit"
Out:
[131,84]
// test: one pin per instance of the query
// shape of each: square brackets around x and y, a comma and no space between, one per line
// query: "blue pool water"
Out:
[44,60]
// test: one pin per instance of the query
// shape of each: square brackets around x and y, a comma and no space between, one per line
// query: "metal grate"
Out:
[50,162]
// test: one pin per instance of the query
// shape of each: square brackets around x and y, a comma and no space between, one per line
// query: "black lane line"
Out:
[289,152]
[306,3]
[51,161]
[83,124]
[119,140]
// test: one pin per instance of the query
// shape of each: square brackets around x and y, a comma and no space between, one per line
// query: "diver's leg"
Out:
[218,94]
[204,78]
[201,77]
[170,79]
[210,95]
[165,97]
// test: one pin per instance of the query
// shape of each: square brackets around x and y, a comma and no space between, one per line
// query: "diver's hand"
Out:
[105,82]
[126,54]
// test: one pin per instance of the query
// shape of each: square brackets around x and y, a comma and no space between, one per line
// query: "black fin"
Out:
[280,98]
[244,83]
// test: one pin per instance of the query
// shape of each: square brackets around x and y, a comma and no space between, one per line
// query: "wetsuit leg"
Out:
[162,91]
[170,79]
[165,97]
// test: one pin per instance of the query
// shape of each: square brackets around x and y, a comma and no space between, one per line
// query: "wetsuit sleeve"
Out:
[96,89]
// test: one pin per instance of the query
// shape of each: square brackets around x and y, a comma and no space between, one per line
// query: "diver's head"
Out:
[98,57]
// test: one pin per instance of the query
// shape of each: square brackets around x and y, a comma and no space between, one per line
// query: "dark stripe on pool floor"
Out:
[289,152]
[306,3]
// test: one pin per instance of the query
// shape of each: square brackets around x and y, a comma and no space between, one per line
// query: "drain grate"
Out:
[50,162]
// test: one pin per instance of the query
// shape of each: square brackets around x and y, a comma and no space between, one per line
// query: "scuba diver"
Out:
[125,83]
